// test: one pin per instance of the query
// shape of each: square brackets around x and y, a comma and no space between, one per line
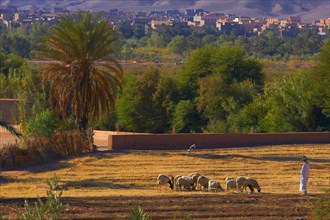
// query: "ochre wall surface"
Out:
[9,110]
[183,141]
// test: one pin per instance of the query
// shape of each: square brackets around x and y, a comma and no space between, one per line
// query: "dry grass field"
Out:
[107,184]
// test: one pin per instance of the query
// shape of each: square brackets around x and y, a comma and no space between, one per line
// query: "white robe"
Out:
[304,174]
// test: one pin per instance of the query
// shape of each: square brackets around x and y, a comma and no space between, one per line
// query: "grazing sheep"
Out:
[174,182]
[195,177]
[215,185]
[202,183]
[229,178]
[191,148]
[242,183]
[191,174]
[231,184]
[163,179]
[184,181]
[254,183]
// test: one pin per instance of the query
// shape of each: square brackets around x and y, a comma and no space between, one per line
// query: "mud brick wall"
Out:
[183,141]
[9,110]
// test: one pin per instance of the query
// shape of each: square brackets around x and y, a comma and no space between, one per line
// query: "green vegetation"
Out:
[222,86]
[137,213]
[321,208]
[79,83]
[51,209]
[43,124]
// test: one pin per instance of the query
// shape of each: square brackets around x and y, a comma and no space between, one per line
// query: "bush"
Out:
[41,149]
[137,213]
[43,125]
[322,206]
[51,209]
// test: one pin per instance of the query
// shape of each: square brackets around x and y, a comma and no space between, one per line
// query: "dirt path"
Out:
[198,206]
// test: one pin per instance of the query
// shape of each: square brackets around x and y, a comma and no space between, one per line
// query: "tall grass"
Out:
[51,209]
[43,149]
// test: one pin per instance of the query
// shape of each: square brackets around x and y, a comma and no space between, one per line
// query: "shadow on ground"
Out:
[101,184]
[277,159]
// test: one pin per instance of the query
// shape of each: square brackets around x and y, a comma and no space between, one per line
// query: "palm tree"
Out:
[81,81]
[10,128]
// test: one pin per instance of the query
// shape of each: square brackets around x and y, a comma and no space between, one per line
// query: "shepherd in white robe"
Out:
[304,174]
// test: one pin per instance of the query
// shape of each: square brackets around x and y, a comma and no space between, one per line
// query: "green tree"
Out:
[9,61]
[249,118]
[178,45]
[157,40]
[147,103]
[199,65]
[79,82]
[186,118]
[321,79]
[125,29]
[233,64]
[139,31]
[290,105]
[267,43]
[306,42]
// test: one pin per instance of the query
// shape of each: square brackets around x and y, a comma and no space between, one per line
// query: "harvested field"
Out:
[197,206]
[106,185]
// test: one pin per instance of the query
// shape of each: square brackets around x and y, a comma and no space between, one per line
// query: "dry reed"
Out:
[41,149]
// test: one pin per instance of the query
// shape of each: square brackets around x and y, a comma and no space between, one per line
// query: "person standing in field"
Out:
[304,174]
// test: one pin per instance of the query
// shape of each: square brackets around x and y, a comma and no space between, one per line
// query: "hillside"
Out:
[309,10]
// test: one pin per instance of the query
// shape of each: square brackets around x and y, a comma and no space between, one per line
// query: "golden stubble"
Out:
[134,173]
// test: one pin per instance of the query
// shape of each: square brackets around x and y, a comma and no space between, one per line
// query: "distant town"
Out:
[11,17]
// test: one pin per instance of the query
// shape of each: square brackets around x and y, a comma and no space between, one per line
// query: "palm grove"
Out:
[220,88]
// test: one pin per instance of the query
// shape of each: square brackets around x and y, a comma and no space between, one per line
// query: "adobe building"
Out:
[9,110]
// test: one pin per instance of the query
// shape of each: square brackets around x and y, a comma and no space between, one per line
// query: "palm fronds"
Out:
[9,127]
[81,80]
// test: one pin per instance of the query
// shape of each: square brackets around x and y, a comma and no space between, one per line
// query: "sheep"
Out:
[254,183]
[191,174]
[215,185]
[229,178]
[163,179]
[195,177]
[184,181]
[191,148]
[174,182]
[242,183]
[202,183]
[231,184]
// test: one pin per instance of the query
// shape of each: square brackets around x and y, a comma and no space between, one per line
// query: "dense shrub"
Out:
[40,149]
[43,124]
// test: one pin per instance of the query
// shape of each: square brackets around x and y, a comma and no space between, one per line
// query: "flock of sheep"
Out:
[196,181]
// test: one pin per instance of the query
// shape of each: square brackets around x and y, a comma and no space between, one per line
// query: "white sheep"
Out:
[163,179]
[231,184]
[202,183]
[215,185]
[242,183]
[184,182]
[175,179]
[195,178]
[254,183]
[192,174]
[229,178]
